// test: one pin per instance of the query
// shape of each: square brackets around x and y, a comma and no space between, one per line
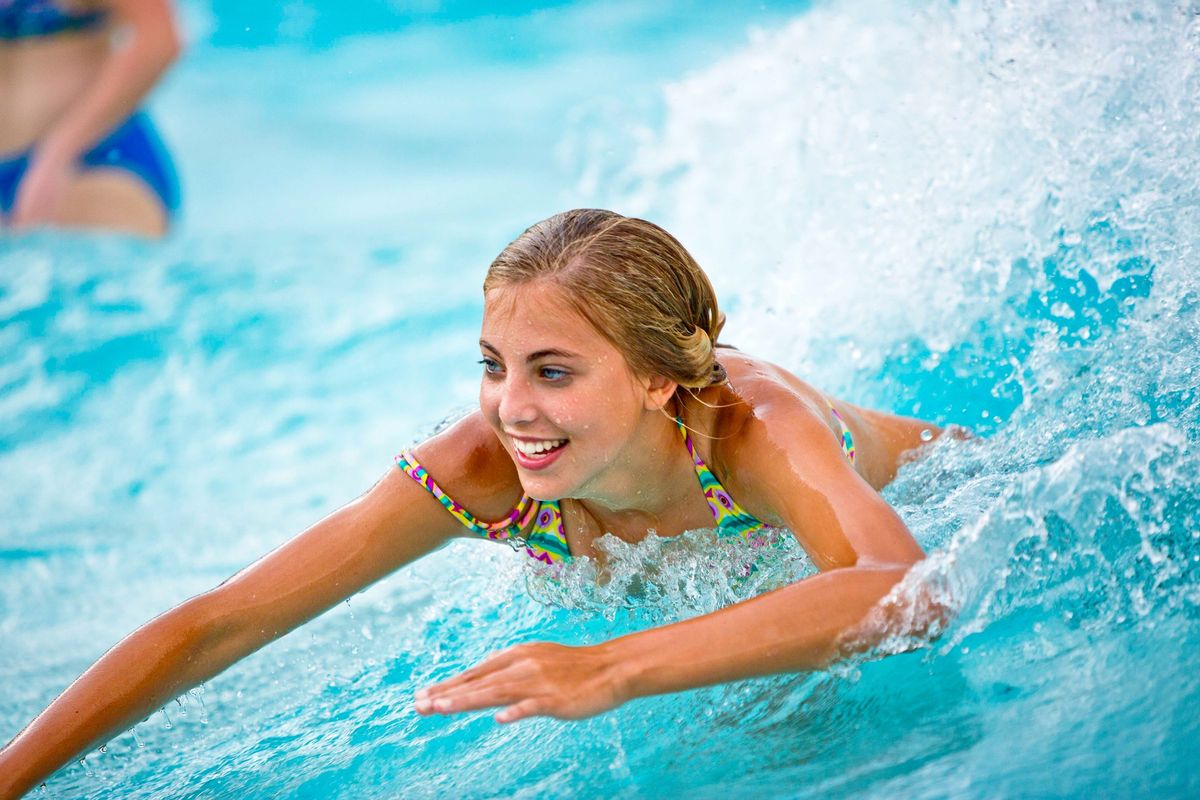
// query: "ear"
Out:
[659,391]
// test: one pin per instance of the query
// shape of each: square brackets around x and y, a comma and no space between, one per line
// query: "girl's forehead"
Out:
[531,303]
[537,315]
[507,296]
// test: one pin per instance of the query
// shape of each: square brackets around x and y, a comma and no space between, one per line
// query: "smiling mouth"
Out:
[538,449]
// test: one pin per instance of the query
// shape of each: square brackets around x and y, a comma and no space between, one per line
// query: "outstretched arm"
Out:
[393,523]
[792,472]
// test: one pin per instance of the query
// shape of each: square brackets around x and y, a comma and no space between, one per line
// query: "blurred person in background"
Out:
[75,151]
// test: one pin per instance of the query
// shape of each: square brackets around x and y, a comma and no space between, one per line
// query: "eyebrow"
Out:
[550,352]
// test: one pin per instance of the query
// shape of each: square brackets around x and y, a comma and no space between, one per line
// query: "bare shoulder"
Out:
[758,391]
[470,465]
[772,395]
[759,399]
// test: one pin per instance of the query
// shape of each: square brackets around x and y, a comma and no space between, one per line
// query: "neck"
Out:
[648,482]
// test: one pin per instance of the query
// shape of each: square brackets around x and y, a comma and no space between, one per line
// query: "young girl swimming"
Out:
[606,406]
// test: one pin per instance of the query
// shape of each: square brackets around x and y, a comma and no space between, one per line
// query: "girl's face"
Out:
[561,397]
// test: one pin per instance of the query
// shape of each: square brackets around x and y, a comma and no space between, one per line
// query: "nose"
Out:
[517,404]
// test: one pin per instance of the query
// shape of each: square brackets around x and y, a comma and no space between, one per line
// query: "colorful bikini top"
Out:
[20,19]
[547,539]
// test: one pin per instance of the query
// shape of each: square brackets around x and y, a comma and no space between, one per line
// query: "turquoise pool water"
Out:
[980,214]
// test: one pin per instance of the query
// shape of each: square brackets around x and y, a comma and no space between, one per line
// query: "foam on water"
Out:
[988,215]
[976,213]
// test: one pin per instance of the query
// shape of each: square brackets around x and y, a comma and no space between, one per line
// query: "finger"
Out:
[443,699]
[466,678]
[488,666]
[529,707]
[499,694]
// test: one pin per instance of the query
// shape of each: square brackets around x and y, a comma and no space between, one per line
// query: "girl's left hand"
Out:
[541,679]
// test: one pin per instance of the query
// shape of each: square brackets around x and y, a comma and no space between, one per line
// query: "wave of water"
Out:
[988,214]
[974,212]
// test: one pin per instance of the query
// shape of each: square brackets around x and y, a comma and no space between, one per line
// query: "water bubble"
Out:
[197,694]
[1061,309]
[927,435]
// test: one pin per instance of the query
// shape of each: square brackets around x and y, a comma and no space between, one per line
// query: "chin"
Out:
[543,490]
[545,487]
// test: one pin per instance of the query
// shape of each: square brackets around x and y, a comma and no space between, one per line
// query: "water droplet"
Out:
[927,435]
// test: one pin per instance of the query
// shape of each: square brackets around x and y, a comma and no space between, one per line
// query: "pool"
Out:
[978,214]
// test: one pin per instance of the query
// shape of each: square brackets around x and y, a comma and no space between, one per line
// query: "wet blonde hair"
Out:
[633,281]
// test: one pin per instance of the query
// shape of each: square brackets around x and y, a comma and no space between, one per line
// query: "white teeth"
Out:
[534,448]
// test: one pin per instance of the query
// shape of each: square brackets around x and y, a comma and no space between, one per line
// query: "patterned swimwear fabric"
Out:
[547,539]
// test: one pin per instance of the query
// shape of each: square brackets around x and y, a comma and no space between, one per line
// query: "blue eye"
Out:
[490,366]
[554,373]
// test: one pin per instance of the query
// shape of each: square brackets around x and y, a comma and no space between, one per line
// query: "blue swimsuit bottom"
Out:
[133,146]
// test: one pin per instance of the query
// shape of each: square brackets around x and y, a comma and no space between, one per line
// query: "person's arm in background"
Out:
[148,42]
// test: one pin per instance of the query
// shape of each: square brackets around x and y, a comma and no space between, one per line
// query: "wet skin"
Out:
[550,377]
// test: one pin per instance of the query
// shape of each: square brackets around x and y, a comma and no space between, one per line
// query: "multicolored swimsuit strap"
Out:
[546,540]
[846,439]
[731,518]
